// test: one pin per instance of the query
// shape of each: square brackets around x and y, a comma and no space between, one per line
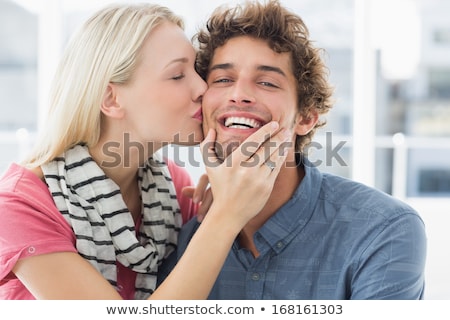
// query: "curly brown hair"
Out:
[284,31]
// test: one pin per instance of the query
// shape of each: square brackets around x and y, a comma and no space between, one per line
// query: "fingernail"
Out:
[274,125]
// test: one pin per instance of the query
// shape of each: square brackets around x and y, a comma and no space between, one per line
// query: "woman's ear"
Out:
[110,105]
[304,124]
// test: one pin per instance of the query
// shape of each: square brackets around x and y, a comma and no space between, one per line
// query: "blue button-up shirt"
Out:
[334,239]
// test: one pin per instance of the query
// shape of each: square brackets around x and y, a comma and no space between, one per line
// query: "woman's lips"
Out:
[198,115]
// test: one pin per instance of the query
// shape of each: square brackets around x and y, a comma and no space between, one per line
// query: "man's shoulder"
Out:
[353,194]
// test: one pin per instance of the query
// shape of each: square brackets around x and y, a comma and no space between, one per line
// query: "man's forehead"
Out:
[235,53]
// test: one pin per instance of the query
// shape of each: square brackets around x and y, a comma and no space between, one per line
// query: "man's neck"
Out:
[285,185]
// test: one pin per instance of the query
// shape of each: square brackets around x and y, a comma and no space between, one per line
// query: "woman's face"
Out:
[162,102]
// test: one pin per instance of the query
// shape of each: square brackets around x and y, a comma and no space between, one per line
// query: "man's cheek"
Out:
[206,124]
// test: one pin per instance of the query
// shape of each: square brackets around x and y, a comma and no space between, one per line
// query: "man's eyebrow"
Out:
[271,69]
[221,66]
[265,68]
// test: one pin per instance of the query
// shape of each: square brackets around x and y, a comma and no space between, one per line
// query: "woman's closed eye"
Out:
[178,77]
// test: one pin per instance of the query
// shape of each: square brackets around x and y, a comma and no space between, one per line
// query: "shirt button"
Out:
[31,250]
[255,277]
[279,245]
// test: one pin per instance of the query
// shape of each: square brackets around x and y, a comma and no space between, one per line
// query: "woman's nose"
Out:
[201,87]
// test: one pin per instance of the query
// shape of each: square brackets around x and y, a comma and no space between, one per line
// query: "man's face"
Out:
[249,85]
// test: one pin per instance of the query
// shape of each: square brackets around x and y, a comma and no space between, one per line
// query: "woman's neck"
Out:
[119,162]
[122,167]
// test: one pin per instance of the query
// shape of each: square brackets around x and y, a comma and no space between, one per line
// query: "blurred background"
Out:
[389,61]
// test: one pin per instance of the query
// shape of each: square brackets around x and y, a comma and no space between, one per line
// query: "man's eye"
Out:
[223,80]
[268,84]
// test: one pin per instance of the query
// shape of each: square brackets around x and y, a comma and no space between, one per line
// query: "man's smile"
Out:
[241,123]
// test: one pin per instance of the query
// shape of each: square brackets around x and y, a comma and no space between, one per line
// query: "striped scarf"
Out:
[104,228]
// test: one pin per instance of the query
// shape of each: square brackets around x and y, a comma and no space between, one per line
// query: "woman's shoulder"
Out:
[38,172]
[23,191]
[19,179]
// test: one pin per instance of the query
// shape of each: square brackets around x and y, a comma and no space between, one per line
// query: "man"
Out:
[319,236]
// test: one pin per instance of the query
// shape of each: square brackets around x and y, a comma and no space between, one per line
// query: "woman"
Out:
[92,212]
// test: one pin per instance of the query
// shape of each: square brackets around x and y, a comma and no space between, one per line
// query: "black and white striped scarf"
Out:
[104,228]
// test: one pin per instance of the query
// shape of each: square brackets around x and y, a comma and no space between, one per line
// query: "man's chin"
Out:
[223,150]
[228,141]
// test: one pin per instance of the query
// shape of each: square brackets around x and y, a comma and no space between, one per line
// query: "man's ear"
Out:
[110,106]
[304,124]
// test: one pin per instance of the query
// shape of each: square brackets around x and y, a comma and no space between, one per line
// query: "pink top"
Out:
[26,198]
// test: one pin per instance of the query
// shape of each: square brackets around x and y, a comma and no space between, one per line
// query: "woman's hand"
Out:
[243,182]
[201,195]
[240,186]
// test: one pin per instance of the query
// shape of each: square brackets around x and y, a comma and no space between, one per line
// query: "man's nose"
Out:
[242,94]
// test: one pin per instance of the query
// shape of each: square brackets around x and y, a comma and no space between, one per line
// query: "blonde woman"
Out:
[93,211]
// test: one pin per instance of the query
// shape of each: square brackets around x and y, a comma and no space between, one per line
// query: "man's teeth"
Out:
[241,123]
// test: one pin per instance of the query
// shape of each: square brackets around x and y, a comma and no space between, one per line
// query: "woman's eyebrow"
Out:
[182,60]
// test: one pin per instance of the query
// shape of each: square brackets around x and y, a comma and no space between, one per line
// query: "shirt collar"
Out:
[278,231]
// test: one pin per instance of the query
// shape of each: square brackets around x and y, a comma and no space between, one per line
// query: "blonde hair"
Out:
[105,50]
